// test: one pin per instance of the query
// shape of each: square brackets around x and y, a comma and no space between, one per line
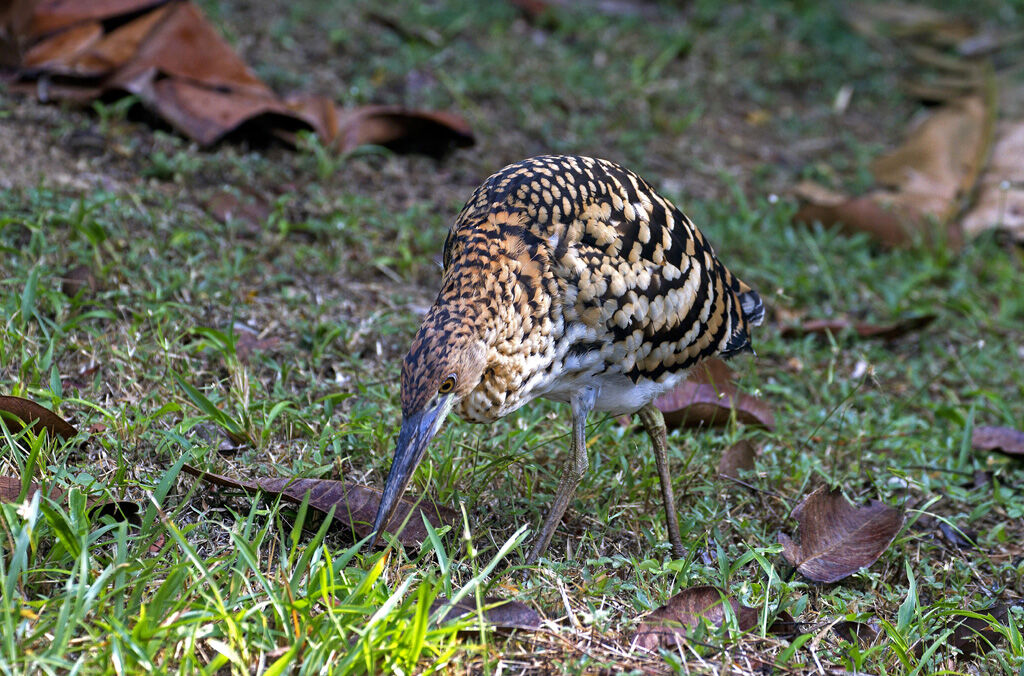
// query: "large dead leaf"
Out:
[1000,202]
[15,16]
[924,180]
[739,456]
[837,538]
[118,510]
[1004,440]
[10,489]
[22,412]
[905,20]
[178,65]
[974,636]
[500,614]
[668,625]
[355,505]
[708,397]
[53,15]
[859,633]
[402,130]
[837,325]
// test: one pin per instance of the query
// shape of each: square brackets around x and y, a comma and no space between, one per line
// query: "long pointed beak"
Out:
[417,431]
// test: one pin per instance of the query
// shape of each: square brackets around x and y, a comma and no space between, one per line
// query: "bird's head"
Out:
[444,364]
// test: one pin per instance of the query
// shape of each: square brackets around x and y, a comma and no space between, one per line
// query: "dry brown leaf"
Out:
[739,456]
[837,325]
[891,224]
[960,538]
[183,45]
[77,280]
[402,130]
[1004,440]
[10,489]
[668,626]
[925,178]
[503,614]
[1000,202]
[114,50]
[708,397]
[972,636]
[22,412]
[861,633]
[939,160]
[904,20]
[53,15]
[248,341]
[119,510]
[355,505]
[184,71]
[15,16]
[837,538]
[227,206]
[58,51]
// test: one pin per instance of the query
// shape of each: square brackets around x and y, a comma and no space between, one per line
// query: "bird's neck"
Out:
[501,293]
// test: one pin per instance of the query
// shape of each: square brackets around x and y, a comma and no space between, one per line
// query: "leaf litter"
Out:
[966,150]
[837,538]
[837,325]
[709,397]
[355,505]
[497,613]
[167,54]
[668,625]
[1005,440]
[23,412]
[739,456]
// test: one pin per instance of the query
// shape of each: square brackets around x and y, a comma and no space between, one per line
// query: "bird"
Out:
[569,278]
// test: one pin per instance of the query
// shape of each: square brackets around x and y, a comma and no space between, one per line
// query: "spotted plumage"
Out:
[571,278]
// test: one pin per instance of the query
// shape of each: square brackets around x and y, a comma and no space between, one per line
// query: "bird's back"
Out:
[629,292]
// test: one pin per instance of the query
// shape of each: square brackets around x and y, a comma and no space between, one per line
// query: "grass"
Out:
[339,271]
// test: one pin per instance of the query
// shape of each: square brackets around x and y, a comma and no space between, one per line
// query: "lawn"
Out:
[129,301]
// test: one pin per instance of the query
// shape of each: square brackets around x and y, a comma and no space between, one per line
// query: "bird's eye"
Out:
[447,385]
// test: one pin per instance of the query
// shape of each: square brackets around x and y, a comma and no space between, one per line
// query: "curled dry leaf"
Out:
[668,625]
[248,340]
[15,16]
[708,397]
[1000,202]
[226,207]
[837,538]
[739,456]
[355,505]
[923,178]
[890,331]
[860,633]
[10,489]
[22,412]
[1004,440]
[118,510]
[77,280]
[54,15]
[974,636]
[501,614]
[177,64]
[959,538]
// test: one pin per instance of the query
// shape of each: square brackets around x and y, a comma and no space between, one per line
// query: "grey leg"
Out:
[654,423]
[572,471]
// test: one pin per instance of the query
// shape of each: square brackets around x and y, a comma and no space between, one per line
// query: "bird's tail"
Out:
[751,305]
[752,308]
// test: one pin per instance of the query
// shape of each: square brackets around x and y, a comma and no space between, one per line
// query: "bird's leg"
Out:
[572,471]
[654,423]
